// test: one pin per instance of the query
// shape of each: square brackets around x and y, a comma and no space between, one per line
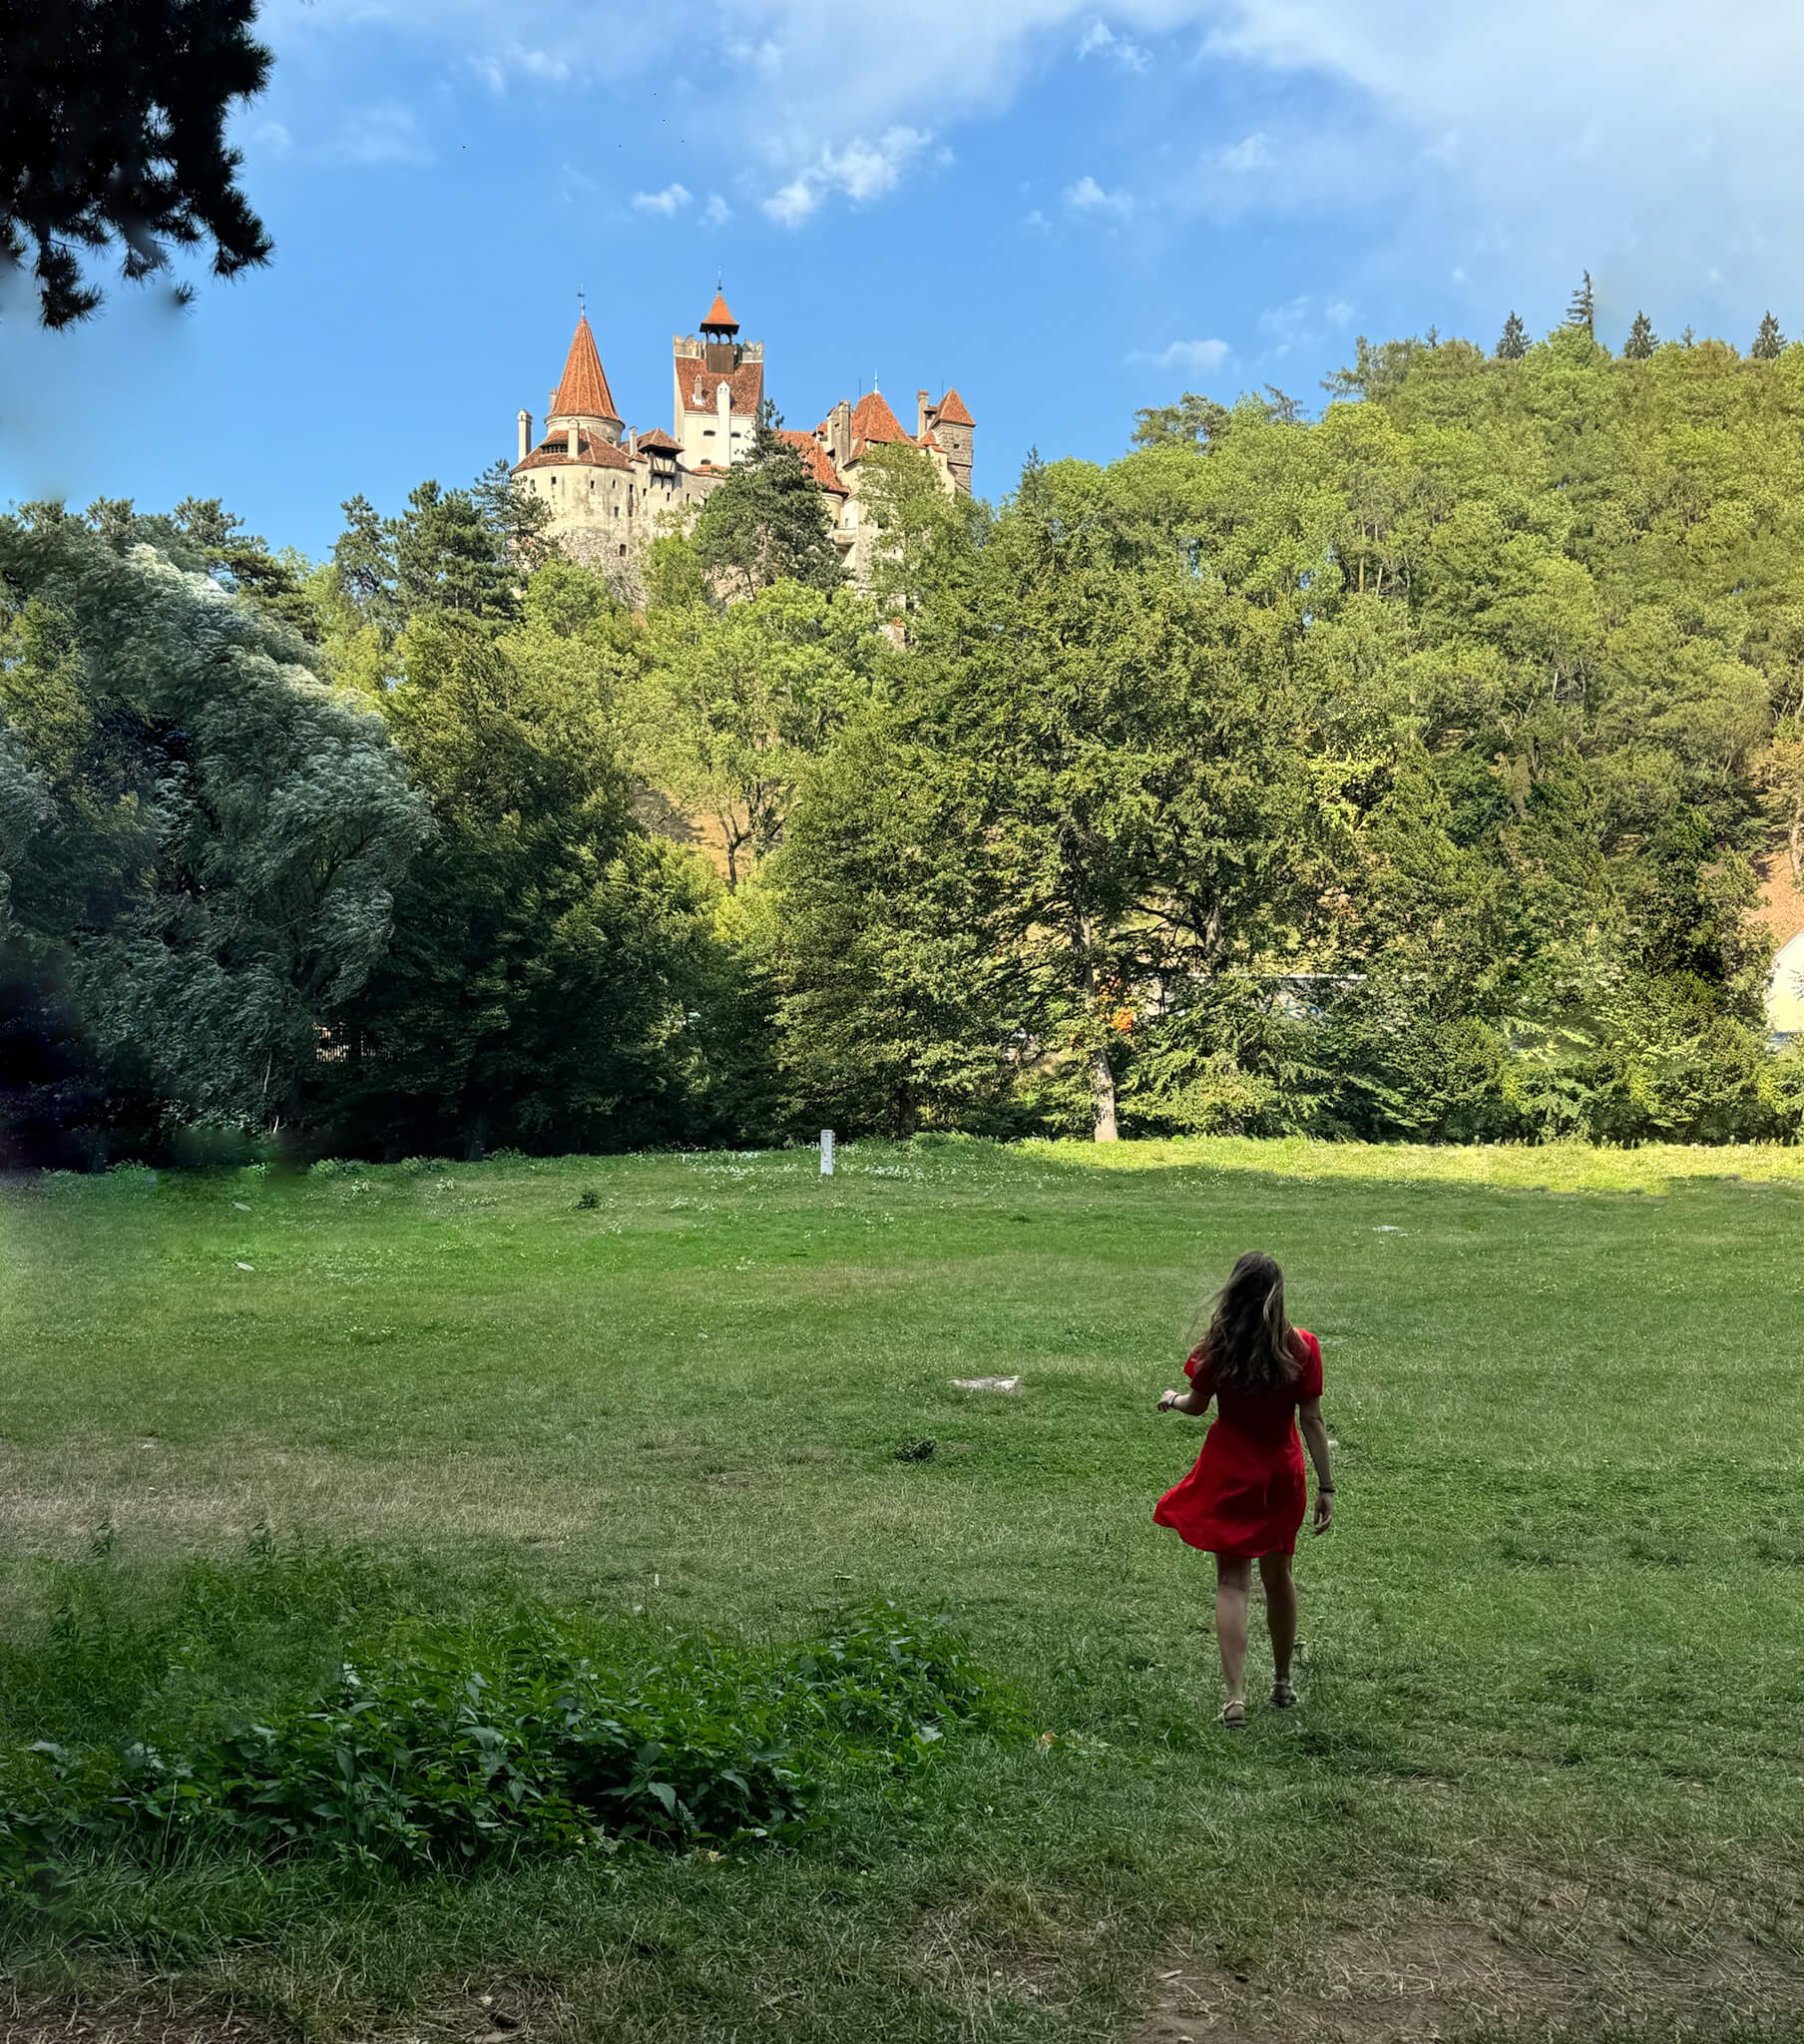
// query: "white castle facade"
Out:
[613,489]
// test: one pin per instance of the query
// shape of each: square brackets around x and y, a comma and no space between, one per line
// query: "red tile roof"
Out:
[592,452]
[698,384]
[873,421]
[950,411]
[582,388]
[658,437]
[817,462]
[927,440]
[720,316]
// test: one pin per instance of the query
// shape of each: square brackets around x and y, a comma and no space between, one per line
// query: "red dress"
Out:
[1248,1493]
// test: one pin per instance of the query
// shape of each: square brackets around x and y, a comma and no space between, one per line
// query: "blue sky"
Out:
[1066,212]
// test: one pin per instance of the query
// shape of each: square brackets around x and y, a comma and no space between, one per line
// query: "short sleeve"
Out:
[1309,1383]
[1196,1368]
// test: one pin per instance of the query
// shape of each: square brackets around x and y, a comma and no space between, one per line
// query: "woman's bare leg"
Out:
[1280,1611]
[1231,1580]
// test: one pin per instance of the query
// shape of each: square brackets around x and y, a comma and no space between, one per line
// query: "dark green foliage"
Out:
[1397,774]
[449,556]
[1641,342]
[461,552]
[768,522]
[1513,342]
[1769,342]
[113,128]
[548,953]
[301,1702]
[1583,311]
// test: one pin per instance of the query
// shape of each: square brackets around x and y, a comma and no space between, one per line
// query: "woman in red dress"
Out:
[1245,1499]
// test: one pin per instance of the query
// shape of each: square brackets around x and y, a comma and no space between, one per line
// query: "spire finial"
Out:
[582,303]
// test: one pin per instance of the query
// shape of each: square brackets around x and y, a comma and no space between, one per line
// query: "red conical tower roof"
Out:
[952,411]
[720,320]
[582,388]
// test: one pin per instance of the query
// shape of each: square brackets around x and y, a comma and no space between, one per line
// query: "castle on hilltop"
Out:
[612,489]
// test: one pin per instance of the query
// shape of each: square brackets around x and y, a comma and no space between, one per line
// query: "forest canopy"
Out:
[1411,771]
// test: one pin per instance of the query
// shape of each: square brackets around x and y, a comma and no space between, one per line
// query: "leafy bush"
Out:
[446,1740]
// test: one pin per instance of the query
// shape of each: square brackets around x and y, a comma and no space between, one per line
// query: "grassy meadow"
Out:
[1547,1777]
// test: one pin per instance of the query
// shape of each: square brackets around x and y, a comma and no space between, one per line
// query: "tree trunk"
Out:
[1102,1095]
[1101,1079]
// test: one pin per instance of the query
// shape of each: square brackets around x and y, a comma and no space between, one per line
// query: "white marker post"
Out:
[826,1153]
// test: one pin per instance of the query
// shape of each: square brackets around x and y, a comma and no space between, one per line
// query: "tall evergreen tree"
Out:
[1769,342]
[112,130]
[768,522]
[1641,342]
[1583,311]
[1514,343]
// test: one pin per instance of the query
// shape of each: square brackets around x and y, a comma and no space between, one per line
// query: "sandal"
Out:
[1283,1696]
[1234,1715]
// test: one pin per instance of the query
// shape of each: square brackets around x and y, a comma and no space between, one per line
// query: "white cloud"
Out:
[861,171]
[672,200]
[1252,154]
[1301,323]
[574,184]
[373,137]
[1648,141]
[715,214]
[1100,40]
[1087,196]
[271,136]
[1192,356]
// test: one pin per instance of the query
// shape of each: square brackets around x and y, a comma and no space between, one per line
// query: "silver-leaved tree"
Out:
[202,840]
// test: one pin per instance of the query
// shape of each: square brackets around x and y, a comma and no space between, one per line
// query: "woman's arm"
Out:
[1309,1420]
[1196,1399]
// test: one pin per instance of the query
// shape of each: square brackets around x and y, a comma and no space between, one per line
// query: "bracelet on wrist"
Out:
[1325,1491]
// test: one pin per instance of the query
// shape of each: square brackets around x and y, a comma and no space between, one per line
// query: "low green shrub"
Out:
[443,1740]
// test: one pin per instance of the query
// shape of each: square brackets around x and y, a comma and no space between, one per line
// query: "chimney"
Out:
[573,442]
[525,423]
[632,443]
[922,408]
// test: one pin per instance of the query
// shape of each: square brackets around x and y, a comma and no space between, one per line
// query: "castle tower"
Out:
[954,430]
[582,399]
[594,486]
[718,384]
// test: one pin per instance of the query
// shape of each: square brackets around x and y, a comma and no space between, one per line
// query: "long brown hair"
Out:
[1250,1343]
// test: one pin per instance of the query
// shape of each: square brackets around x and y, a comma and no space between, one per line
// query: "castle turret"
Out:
[582,397]
[720,386]
[955,431]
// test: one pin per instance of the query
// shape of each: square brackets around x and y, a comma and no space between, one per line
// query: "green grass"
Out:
[1547,1778]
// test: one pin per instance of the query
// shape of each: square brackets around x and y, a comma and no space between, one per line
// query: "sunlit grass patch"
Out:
[1553,1658]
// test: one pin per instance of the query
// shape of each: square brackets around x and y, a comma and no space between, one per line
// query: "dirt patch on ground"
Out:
[1441,1979]
[468,2012]
[129,2021]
